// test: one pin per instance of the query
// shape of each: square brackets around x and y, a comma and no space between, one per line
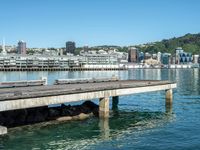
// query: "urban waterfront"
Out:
[141,122]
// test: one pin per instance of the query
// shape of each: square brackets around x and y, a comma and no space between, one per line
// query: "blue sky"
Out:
[50,23]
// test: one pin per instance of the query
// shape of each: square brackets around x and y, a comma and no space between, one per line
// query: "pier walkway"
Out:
[12,98]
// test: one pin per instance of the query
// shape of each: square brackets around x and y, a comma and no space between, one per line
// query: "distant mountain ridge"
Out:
[189,42]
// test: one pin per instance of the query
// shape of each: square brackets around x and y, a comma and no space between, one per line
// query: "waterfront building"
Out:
[165,58]
[147,56]
[182,57]
[50,52]
[133,55]
[179,50]
[86,48]
[159,55]
[100,59]
[60,52]
[154,56]
[101,51]
[33,61]
[4,52]
[141,57]
[70,47]
[50,61]
[199,60]
[21,49]
[195,59]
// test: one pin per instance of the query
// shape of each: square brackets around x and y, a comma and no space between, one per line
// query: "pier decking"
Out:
[36,96]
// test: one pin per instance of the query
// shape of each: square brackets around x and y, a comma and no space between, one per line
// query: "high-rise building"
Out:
[21,49]
[70,47]
[133,55]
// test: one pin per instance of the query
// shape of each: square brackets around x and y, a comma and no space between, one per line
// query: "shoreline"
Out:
[85,69]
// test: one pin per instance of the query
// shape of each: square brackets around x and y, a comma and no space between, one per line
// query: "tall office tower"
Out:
[70,47]
[21,49]
[133,55]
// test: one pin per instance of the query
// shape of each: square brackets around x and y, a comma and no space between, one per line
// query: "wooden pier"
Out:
[36,96]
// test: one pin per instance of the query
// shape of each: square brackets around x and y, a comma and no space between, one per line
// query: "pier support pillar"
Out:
[169,100]
[104,107]
[115,102]
[3,130]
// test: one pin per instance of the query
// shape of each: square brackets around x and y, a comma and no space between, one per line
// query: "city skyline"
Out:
[51,24]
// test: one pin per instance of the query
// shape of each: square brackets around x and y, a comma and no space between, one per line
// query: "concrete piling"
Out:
[169,100]
[104,107]
[169,96]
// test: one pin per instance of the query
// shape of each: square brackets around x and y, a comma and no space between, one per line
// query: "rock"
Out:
[3,130]
[96,112]
[75,110]
[40,114]
[75,117]
[9,118]
[83,116]
[67,118]
[53,112]
[2,119]
[65,110]
[90,105]
[20,118]
[36,115]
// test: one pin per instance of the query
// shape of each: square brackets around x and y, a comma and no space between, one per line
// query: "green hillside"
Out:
[189,42]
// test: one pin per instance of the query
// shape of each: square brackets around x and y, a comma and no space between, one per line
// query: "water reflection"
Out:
[104,128]
[168,108]
[83,134]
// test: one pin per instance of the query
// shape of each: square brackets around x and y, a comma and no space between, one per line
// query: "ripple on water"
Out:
[81,134]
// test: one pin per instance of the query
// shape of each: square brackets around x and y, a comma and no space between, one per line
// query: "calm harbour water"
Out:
[141,122]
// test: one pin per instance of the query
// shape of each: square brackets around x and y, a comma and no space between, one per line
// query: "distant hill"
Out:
[189,42]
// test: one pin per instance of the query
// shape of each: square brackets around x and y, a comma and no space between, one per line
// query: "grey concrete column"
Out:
[104,107]
[115,102]
[169,100]
[3,130]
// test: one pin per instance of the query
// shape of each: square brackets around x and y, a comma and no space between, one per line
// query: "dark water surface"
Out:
[141,123]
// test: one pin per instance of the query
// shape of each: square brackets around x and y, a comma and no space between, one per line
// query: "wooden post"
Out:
[169,100]
[115,102]
[104,107]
